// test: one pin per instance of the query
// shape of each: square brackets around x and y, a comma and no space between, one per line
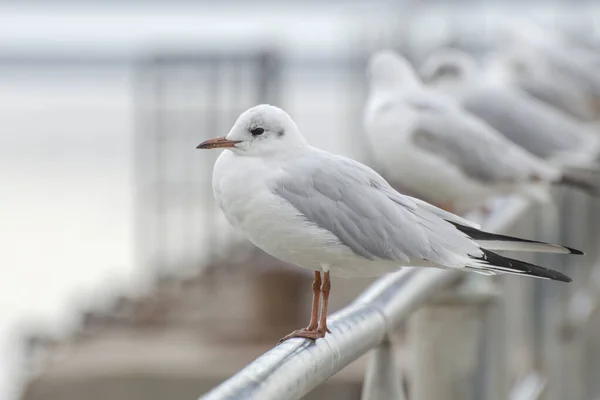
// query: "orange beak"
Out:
[217,142]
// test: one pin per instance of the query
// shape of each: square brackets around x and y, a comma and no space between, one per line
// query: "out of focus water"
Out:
[66,200]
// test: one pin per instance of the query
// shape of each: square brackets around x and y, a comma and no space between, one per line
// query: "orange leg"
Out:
[317,326]
[314,312]
[325,288]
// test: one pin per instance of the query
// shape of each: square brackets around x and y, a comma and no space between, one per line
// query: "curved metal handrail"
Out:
[296,366]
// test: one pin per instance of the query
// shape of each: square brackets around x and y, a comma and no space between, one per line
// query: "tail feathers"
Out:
[493,241]
[492,263]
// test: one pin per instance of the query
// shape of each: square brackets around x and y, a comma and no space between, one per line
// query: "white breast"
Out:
[275,226]
[242,186]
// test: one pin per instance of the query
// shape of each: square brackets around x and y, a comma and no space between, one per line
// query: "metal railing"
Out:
[470,337]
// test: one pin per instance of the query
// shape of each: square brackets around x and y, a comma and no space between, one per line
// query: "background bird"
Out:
[537,127]
[549,56]
[433,146]
[523,69]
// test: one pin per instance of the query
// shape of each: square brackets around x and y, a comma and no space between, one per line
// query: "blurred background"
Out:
[120,278]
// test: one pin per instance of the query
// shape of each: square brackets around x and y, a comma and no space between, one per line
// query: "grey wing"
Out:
[364,213]
[576,70]
[559,95]
[525,121]
[476,149]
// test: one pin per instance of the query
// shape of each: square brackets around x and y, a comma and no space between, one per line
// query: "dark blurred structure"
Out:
[186,335]
[182,99]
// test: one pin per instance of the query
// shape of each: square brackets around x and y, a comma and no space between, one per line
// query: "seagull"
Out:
[537,127]
[336,216]
[434,147]
[553,57]
[531,74]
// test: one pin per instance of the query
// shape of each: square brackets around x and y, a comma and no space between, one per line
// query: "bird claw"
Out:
[305,334]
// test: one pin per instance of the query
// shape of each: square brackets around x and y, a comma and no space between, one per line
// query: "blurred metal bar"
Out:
[382,377]
[551,351]
[494,357]
[160,139]
[211,124]
[269,72]
[574,227]
[592,342]
[193,56]
[448,340]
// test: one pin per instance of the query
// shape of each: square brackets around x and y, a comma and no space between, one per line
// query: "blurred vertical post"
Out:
[269,83]
[574,228]
[447,338]
[149,123]
[211,118]
[553,306]
[383,379]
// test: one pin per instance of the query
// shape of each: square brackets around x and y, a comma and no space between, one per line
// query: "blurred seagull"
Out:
[522,69]
[334,215]
[434,147]
[553,57]
[561,55]
[531,124]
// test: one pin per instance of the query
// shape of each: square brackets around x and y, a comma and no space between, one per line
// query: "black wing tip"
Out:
[478,234]
[551,274]
[574,251]
[522,267]
[561,277]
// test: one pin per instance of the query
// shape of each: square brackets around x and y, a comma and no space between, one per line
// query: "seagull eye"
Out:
[257,131]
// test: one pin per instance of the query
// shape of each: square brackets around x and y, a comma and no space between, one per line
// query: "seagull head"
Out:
[449,65]
[260,131]
[388,70]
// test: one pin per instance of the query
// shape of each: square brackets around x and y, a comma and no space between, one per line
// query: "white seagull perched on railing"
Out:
[525,120]
[334,215]
[553,55]
[426,141]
